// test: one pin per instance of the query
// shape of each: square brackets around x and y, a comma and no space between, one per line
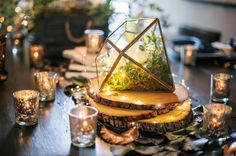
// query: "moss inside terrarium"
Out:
[131,77]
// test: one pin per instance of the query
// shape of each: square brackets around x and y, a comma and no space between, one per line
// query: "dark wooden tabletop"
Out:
[51,135]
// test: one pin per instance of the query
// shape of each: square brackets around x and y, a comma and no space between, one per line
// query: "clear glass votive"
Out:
[220,87]
[83,125]
[188,55]
[215,118]
[26,103]
[94,40]
[46,85]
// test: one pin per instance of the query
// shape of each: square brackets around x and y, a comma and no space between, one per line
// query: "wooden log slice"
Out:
[176,119]
[138,100]
[118,115]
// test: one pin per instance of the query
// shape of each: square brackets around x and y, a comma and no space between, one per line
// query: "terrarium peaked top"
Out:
[136,59]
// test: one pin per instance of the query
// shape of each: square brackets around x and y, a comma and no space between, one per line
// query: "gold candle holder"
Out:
[26,103]
[36,52]
[215,118]
[46,85]
[94,40]
[220,87]
[83,125]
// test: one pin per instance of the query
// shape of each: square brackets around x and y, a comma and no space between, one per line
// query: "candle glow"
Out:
[215,118]
[36,52]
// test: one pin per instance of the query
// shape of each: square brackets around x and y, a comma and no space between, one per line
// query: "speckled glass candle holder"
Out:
[26,103]
[46,85]
[215,118]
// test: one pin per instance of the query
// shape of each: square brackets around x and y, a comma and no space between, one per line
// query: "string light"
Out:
[108,93]
[123,75]
[24,22]
[158,105]
[18,9]
[123,98]
[171,117]
[138,102]
[108,88]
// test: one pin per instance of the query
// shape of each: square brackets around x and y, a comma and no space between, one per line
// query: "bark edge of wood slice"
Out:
[107,113]
[173,120]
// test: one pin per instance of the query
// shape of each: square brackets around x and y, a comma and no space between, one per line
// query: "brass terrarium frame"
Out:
[154,23]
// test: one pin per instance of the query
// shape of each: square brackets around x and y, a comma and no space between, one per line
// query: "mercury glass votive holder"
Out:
[93,40]
[220,87]
[215,118]
[46,85]
[26,103]
[83,125]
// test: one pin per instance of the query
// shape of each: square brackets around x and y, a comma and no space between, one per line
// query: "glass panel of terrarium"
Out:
[128,31]
[127,76]
[105,61]
[150,53]
[137,26]
[116,37]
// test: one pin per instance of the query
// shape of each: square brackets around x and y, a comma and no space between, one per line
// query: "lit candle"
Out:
[85,128]
[83,123]
[26,104]
[46,84]
[215,118]
[94,39]
[36,52]
[220,87]
[214,121]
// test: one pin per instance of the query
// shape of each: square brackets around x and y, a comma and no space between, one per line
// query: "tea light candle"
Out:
[26,104]
[36,52]
[215,118]
[94,39]
[220,87]
[86,128]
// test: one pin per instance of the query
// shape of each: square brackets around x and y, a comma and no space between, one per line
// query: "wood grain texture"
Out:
[141,100]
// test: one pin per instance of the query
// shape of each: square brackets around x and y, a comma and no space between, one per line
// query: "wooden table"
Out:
[51,136]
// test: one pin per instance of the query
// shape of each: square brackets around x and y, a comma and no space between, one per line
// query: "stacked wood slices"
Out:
[154,112]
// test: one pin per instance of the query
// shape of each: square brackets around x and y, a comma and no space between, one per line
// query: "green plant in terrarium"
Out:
[137,60]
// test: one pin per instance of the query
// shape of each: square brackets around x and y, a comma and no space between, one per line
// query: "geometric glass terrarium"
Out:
[136,59]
